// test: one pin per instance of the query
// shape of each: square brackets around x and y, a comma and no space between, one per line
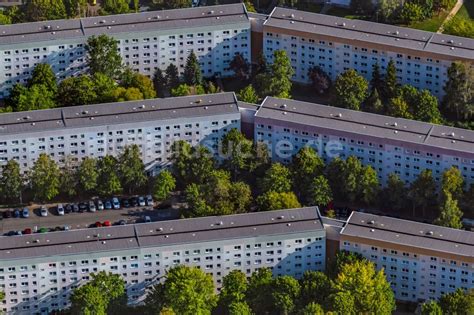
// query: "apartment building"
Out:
[336,44]
[146,40]
[39,271]
[104,129]
[389,145]
[421,261]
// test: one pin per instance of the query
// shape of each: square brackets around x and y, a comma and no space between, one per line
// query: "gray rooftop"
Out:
[397,130]
[372,33]
[118,113]
[164,233]
[123,23]
[410,233]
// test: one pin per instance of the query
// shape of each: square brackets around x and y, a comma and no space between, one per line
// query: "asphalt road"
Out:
[85,219]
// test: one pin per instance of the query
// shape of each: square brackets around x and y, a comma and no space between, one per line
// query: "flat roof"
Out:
[118,113]
[184,19]
[368,124]
[372,33]
[410,233]
[163,233]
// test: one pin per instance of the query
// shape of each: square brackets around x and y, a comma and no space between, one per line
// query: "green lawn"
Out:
[431,25]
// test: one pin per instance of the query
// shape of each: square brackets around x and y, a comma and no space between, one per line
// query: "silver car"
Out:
[60,209]
[43,211]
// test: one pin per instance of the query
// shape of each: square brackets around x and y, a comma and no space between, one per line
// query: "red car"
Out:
[106,223]
[27,231]
[98,224]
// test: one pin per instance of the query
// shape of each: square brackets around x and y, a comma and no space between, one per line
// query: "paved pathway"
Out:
[451,14]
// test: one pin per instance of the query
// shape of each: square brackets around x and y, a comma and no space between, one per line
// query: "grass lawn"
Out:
[431,25]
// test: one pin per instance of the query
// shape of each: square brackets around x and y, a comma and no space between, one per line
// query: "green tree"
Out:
[68,181]
[431,308]
[411,12]
[391,84]
[103,56]
[281,74]
[11,182]
[398,107]
[285,291]
[373,103]
[192,70]
[240,66]
[237,150]
[248,95]
[5,19]
[131,168]
[188,291]
[368,185]
[342,258]
[457,302]
[109,7]
[175,4]
[132,79]
[43,10]
[239,308]
[362,6]
[320,79]
[377,80]
[352,173]
[234,288]
[395,193]
[121,94]
[312,309]
[305,166]
[104,88]
[321,194]
[426,108]
[164,184]
[277,179]
[88,174]
[180,159]
[75,91]
[159,82]
[272,200]
[75,8]
[459,92]
[422,191]
[259,290]
[181,90]
[335,174]
[108,180]
[36,97]
[350,90]
[172,76]
[315,288]
[370,289]
[452,182]
[44,178]
[450,214]
[43,74]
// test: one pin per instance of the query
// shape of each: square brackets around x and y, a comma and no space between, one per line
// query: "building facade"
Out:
[147,41]
[336,44]
[39,271]
[421,261]
[389,145]
[105,129]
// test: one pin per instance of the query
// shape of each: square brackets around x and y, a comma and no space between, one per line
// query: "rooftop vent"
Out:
[338,115]
[372,222]
[395,124]
[396,33]
[343,24]
[283,106]
[85,112]
[292,16]
[102,21]
[451,41]
[47,27]
[429,233]
[281,217]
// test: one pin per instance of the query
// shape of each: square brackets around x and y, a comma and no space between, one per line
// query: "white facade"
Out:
[144,49]
[413,276]
[42,283]
[153,137]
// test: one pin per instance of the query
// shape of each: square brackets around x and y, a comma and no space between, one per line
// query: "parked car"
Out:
[68,208]
[100,205]
[115,203]
[125,203]
[7,214]
[75,207]
[25,213]
[27,231]
[141,201]
[133,202]
[106,223]
[147,219]
[60,209]
[43,211]
[98,224]
[16,213]
[43,230]
[92,207]
[149,201]
[108,205]
[11,233]
[122,222]
[82,207]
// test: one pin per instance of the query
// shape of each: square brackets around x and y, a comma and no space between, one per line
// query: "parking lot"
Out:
[84,220]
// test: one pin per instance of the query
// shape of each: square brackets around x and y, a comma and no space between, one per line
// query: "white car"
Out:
[141,201]
[43,211]
[60,209]
[100,205]
[116,203]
